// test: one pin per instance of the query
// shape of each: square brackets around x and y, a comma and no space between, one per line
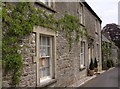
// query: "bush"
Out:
[95,63]
[109,64]
[112,63]
[104,65]
[91,67]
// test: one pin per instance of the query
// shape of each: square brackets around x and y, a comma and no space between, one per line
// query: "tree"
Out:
[112,32]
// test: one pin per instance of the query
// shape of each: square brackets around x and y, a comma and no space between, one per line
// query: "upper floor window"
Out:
[48,2]
[81,15]
[96,26]
[44,1]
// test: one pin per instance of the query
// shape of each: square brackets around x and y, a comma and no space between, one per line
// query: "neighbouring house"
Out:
[109,52]
[115,53]
[49,62]
[111,32]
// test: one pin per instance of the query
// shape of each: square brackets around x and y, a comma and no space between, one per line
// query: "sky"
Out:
[107,10]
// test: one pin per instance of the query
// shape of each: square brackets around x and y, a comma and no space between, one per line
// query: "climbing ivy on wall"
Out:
[106,54]
[106,50]
[72,24]
[18,20]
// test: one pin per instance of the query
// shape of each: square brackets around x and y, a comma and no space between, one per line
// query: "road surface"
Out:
[106,79]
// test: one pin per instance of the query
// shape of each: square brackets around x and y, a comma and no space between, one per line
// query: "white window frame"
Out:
[48,2]
[82,55]
[44,1]
[97,51]
[89,54]
[47,32]
[96,25]
[81,13]
[45,57]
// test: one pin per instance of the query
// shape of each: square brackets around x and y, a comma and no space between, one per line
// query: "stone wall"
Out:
[29,66]
[114,54]
[28,77]
[90,25]
[67,63]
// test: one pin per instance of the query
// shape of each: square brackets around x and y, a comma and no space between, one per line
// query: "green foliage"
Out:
[104,65]
[112,63]
[95,63]
[91,67]
[18,20]
[71,24]
[106,50]
[109,64]
[106,55]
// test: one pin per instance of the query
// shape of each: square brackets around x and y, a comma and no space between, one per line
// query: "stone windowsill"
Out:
[47,83]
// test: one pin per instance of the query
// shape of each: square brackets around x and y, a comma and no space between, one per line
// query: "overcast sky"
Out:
[107,10]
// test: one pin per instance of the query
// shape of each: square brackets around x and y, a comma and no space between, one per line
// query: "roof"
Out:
[84,2]
[91,10]
[105,39]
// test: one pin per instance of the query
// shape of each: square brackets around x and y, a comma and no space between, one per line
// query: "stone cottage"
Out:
[49,63]
[109,52]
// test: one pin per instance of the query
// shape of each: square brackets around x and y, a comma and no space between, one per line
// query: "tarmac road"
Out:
[106,79]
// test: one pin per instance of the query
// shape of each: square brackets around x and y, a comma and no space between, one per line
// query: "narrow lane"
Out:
[107,79]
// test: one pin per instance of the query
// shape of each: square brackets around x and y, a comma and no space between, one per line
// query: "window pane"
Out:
[48,71]
[82,58]
[48,40]
[45,56]
[82,54]
[48,51]
[44,1]
[42,62]
[41,73]
[82,47]
[44,67]
[43,51]
[47,62]
[47,66]
[43,40]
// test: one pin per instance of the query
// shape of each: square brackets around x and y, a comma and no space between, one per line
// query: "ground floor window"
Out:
[45,52]
[97,54]
[82,55]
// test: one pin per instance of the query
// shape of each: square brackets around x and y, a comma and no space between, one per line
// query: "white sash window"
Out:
[45,52]
[45,55]
[82,55]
